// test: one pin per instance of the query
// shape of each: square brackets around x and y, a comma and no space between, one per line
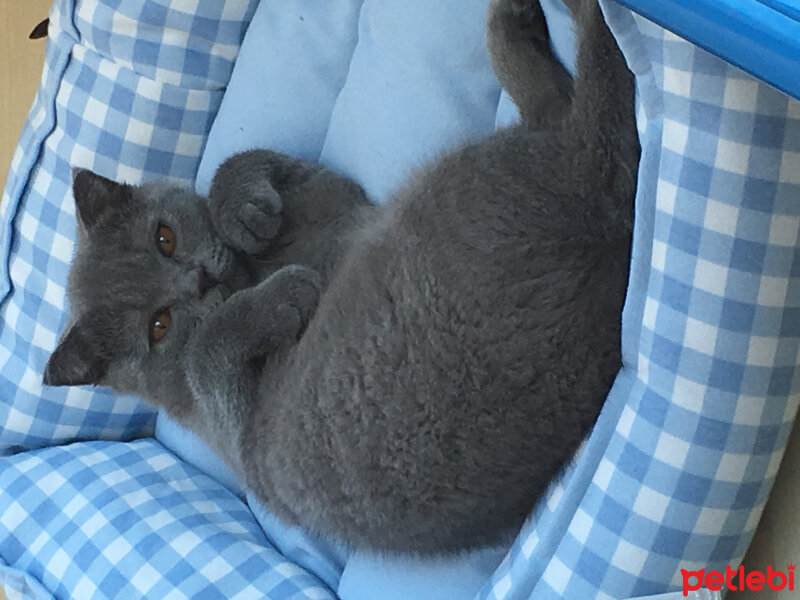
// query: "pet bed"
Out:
[678,468]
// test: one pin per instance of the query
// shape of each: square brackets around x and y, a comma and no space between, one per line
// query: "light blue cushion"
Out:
[323,557]
[419,82]
[296,60]
[460,577]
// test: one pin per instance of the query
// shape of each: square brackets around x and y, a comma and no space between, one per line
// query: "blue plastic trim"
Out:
[761,37]
[790,8]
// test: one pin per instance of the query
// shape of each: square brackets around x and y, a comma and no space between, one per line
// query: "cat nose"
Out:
[205,282]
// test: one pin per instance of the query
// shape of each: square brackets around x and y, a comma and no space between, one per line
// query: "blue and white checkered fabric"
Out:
[129,520]
[129,89]
[677,471]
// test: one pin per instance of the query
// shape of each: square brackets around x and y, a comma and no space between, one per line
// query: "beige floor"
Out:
[778,539]
[21,62]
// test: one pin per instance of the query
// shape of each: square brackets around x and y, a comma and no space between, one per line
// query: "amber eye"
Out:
[159,325]
[165,238]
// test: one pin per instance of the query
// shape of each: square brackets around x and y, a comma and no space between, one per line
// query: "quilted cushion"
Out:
[129,89]
[129,520]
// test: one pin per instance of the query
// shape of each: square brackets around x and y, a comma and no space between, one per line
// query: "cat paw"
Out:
[296,286]
[256,321]
[519,47]
[513,21]
[246,214]
[526,10]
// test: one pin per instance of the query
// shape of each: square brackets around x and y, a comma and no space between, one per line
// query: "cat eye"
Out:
[166,240]
[159,325]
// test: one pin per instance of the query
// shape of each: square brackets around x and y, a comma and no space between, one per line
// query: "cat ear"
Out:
[95,195]
[75,361]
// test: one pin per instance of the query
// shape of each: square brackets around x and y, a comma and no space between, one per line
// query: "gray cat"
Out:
[407,377]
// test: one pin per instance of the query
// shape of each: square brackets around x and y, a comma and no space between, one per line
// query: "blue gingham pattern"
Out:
[129,89]
[19,585]
[677,471]
[129,520]
[675,474]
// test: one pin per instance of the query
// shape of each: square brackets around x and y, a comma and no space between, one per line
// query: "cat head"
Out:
[148,267]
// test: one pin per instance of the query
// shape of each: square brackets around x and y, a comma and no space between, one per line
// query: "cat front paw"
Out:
[246,212]
[256,321]
[296,286]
